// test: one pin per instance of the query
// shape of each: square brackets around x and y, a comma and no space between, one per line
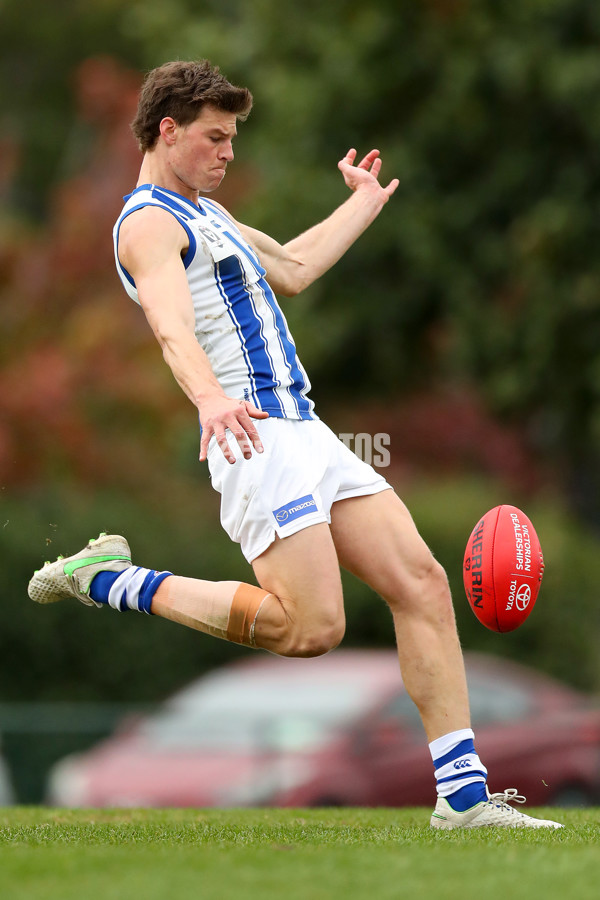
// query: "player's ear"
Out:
[168,130]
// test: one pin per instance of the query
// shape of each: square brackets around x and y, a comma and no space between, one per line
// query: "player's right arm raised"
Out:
[293,266]
[150,246]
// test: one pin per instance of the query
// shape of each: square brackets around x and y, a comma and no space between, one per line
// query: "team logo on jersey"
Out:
[212,238]
[300,507]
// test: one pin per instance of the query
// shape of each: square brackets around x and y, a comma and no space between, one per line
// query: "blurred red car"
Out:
[337,730]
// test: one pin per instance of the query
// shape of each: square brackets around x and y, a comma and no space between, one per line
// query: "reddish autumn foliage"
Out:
[80,371]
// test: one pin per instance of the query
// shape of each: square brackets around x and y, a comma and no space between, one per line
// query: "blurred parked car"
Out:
[336,730]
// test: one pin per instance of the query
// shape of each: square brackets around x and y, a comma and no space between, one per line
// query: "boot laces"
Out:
[503,799]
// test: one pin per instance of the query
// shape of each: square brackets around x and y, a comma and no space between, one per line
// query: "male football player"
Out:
[298,501]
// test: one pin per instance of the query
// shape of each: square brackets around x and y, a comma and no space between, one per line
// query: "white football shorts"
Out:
[291,485]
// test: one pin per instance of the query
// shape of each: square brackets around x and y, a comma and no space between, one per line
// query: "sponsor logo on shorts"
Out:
[300,507]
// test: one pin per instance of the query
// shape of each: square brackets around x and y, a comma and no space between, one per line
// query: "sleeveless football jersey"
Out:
[238,321]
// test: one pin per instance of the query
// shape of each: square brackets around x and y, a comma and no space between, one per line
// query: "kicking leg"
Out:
[304,613]
[225,609]
[300,601]
[297,611]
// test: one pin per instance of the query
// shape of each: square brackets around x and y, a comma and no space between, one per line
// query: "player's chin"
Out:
[218,175]
[212,182]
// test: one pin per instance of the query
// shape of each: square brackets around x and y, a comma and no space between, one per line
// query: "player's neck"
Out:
[153,171]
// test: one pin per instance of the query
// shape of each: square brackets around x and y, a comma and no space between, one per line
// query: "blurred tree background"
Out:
[465,323]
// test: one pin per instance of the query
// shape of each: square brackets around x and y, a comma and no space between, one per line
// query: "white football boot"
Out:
[71,576]
[495,811]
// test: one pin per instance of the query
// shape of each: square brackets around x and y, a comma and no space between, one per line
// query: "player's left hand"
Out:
[219,414]
[365,175]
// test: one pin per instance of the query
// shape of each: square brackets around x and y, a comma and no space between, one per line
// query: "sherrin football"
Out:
[503,568]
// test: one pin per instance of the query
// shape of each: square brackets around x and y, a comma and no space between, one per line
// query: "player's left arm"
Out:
[293,266]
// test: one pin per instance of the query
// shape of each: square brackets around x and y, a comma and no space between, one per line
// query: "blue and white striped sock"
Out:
[460,775]
[133,588]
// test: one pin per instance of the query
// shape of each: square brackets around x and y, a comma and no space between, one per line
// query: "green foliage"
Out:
[483,268]
[479,279]
[68,650]
[42,45]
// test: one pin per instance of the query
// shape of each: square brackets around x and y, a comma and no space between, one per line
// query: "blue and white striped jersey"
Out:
[239,323]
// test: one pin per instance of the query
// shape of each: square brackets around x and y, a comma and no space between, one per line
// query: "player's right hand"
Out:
[365,174]
[223,413]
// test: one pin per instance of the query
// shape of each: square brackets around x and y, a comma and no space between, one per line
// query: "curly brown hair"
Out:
[180,90]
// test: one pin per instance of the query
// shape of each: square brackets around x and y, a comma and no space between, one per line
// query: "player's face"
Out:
[202,150]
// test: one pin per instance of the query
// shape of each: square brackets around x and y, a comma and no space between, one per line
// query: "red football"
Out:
[503,568]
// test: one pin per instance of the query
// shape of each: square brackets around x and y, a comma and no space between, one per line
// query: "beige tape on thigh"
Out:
[245,607]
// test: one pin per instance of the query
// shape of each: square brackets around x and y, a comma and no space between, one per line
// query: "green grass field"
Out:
[288,854]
